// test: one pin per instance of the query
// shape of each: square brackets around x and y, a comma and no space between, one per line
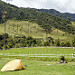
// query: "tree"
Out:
[58,42]
[47,43]
[67,44]
[73,42]
[4,19]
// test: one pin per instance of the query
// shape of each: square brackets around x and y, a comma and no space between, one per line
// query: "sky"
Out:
[59,5]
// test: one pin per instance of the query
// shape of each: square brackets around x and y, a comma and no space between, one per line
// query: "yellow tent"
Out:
[13,65]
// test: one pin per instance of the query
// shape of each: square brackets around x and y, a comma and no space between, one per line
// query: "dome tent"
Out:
[13,65]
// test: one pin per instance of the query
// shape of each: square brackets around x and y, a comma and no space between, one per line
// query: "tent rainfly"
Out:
[13,66]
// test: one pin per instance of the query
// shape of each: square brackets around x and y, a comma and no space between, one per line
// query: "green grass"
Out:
[23,27]
[32,29]
[40,50]
[41,68]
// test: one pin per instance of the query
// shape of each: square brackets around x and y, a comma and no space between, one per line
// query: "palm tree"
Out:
[4,18]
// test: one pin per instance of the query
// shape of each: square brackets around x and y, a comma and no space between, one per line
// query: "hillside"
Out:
[68,16]
[44,20]
[26,34]
[25,28]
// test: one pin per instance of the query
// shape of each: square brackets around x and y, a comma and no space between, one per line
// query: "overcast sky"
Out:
[60,5]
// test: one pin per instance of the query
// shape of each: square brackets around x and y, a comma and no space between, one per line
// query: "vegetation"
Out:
[18,33]
[68,16]
[62,58]
[40,50]
[12,42]
[26,29]
[31,28]
[41,68]
[19,42]
[45,20]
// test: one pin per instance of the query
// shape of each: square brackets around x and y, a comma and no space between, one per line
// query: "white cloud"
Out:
[9,0]
[60,5]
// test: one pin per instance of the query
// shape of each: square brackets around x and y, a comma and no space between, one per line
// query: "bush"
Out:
[68,44]
[58,42]
[62,58]
[47,43]
[73,42]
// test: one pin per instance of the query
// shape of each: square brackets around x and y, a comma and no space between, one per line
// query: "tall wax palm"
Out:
[4,19]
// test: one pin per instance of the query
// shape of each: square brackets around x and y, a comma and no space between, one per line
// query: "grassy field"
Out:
[41,68]
[40,50]
[32,29]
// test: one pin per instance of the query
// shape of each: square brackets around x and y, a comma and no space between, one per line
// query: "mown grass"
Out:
[40,50]
[41,68]
[26,28]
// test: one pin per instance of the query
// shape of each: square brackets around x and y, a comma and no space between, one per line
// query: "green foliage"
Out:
[12,42]
[63,44]
[68,16]
[67,44]
[62,58]
[47,43]
[45,20]
[73,42]
[48,22]
[18,42]
[58,42]
[2,36]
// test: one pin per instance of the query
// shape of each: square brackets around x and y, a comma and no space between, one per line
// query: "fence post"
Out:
[17,54]
[8,54]
[29,55]
[1,54]
[36,55]
[4,54]
[72,55]
[60,54]
[67,55]
[51,55]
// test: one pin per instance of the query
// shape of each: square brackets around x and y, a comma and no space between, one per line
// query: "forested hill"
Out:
[68,16]
[45,20]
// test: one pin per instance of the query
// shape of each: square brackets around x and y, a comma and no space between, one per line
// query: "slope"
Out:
[68,16]
[25,28]
[45,20]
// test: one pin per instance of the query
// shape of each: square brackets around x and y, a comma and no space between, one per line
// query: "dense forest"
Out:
[17,42]
[68,16]
[45,20]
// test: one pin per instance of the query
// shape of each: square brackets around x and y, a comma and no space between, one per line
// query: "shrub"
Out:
[68,44]
[47,43]
[62,58]
[73,42]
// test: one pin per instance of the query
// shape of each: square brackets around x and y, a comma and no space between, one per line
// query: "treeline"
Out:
[18,42]
[68,16]
[45,20]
